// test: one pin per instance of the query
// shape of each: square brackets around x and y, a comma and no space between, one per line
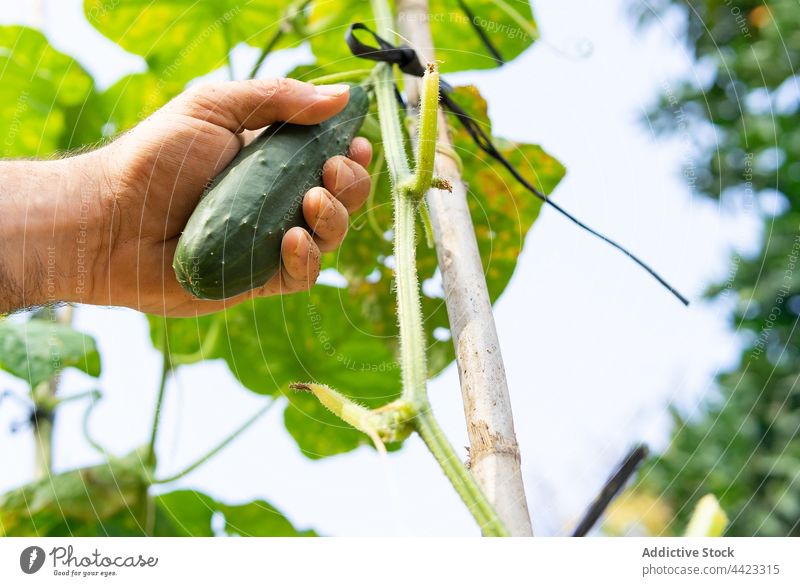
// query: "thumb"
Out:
[252,104]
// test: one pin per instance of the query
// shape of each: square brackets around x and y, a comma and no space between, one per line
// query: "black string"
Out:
[487,42]
[610,489]
[408,62]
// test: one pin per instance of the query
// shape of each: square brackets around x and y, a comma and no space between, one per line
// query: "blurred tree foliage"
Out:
[745,448]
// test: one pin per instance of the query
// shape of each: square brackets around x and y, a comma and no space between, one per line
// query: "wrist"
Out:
[82,233]
[54,230]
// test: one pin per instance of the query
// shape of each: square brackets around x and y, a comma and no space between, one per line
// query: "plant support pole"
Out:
[494,452]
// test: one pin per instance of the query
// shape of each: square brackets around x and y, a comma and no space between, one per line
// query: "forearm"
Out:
[51,230]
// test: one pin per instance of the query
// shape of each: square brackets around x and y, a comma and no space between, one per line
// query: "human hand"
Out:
[154,175]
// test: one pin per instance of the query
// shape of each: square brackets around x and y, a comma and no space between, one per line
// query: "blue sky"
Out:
[595,351]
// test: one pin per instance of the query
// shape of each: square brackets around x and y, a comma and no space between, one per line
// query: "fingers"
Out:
[300,258]
[326,211]
[252,104]
[347,180]
[360,151]
[326,216]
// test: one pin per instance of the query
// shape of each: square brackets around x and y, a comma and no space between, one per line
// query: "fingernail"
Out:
[303,245]
[333,90]
[343,177]
[327,207]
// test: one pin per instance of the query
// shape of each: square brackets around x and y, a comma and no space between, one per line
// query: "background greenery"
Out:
[745,447]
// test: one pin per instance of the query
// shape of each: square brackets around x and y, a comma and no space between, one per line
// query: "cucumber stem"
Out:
[409,307]
[219,447]
[420,183]
[85,425]
[293,11]
[461,478]
[166,368]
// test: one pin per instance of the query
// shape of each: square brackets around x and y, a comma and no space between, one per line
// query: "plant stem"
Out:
[273,41]
[150,459]
[86,434]
[352,75]
[371,218]
[206,346]
[43,436]
[409,307]
[292,12]
[426,139]
[228,50]
[221,446]
[494,452]
[384,19]
[389,119]
[166,368]
[461,478]
[82,395]
[45,403]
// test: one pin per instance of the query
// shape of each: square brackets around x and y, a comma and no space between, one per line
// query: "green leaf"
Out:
[189,513]
[502,210]
[136,96]
[347,337]
[509,24]
[111,499]
[79,502]
[321,335]
[183,39]
[259,519]
[37,349]
[46,98]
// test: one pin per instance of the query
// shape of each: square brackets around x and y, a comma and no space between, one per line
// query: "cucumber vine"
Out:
[412,411]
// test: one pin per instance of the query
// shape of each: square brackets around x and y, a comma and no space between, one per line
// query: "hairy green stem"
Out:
[461,478]
[426,223]
[371,218]
[219,447]
[389,120]
[426,141]
[409,308]
[409,305]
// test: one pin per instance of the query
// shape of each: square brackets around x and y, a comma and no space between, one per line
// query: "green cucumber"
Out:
[232,241]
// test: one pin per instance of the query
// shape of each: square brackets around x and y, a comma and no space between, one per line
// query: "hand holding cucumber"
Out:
[157,173]
[102,227]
